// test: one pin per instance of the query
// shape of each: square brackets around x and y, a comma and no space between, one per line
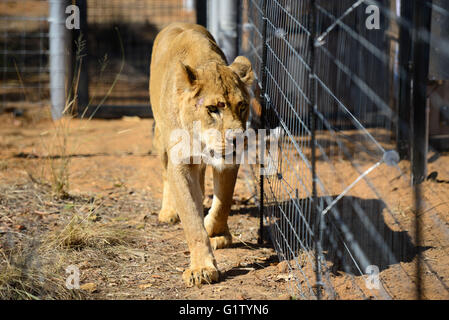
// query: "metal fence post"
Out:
[83,81]
[228,28]
[189,5]
[201,12]
[312,112]
[213,17]
[422,17]
[262,115]
[58,57]
[239,25]
[421,53]
[405,82]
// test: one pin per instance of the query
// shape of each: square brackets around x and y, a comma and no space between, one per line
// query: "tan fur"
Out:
[188,68]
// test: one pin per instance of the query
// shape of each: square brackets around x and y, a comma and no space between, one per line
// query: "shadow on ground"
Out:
[355,234]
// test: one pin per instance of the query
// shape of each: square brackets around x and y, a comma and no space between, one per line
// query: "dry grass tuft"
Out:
[59,166]
[60,147]
[37,271]
[82,233]
[75,231]
[33,274]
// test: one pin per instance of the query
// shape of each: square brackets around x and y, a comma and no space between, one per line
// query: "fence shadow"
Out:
[239,271]
[355,234]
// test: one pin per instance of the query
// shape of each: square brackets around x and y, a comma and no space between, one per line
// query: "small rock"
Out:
[282,266]
[89,287]
[145,286]
[283,277]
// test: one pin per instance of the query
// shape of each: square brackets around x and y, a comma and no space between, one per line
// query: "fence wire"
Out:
[119,37]
[340,207]
[135,24]
[24,48]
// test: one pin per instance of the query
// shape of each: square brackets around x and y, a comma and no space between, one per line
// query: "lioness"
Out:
[191,83]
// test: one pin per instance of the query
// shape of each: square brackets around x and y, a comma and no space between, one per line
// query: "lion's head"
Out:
[216,97]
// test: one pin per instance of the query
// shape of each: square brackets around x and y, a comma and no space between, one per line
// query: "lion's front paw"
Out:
[168,216]
[221,241]
[198,276]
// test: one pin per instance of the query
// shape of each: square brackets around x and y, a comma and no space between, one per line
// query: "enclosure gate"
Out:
[333,77]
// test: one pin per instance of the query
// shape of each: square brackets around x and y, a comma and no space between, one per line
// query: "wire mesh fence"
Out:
[24,49]
[336,79]
[120,37]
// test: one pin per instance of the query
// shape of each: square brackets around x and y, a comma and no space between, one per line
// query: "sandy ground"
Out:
[114,183]
[114,177]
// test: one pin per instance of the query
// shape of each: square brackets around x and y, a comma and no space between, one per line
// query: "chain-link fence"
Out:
[345,84]
[24,49]
[115,43]
[120,37]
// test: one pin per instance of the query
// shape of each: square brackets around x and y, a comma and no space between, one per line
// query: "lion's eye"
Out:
[212,109]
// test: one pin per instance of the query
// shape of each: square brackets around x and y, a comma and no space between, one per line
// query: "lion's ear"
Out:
[186,76]
[242,67]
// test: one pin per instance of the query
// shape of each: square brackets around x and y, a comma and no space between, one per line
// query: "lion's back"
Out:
[185,42]
[188,43]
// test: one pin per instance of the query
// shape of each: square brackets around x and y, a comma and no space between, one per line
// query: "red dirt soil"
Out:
[111,162]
